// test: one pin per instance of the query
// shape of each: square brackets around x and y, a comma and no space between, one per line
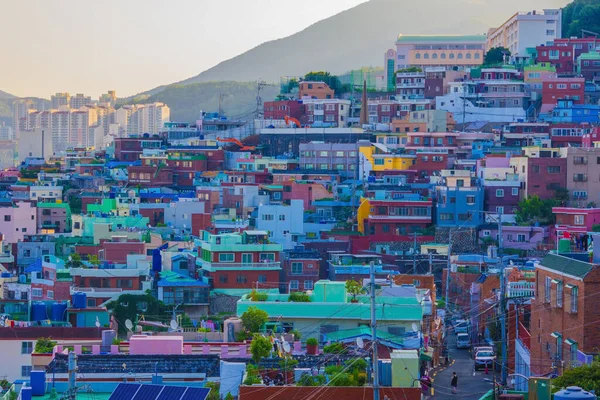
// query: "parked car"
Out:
[483,358]
[477,348]
[463,341]
[461,326]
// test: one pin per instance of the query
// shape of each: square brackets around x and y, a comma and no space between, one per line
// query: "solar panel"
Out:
[148,392]
[124,391]
[195,394]
[171,393]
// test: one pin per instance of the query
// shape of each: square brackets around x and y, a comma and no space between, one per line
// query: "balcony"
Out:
[214,266]
[103,292]
[521,289]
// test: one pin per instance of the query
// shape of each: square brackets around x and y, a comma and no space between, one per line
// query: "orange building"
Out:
[315,90]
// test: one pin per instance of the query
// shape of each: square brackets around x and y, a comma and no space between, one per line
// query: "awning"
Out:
[570,342]
[426,354]
[569,286]
[556,335]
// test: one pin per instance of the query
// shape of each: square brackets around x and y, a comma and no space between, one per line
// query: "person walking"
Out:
[454,382]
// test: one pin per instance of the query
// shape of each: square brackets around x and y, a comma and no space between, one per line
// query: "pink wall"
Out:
[22,221]
[141,344]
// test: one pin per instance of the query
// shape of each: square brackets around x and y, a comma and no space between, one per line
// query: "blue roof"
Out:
[116,164]
[35,266]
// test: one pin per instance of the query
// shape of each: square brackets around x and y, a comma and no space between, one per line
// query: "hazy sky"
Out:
[82,46]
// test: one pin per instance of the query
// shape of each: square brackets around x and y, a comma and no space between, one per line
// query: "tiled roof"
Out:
[567,265]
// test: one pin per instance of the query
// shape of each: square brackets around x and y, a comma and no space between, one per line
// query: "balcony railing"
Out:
[521,289]
[212,265]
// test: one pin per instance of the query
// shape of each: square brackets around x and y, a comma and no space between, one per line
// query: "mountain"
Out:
[361,35]
[6,96]
[186,101]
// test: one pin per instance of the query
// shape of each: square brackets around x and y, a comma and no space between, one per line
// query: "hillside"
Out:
[6,96]
[361,35]
[581,14]
[187,101]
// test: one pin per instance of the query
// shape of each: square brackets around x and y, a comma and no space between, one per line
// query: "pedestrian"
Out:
[454,382]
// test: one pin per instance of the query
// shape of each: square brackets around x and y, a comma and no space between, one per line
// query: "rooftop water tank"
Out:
[574,392]
[58,311]
[38,383]
[79,300]
[39,311]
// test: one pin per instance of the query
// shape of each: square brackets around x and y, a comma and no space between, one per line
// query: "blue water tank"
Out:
[39,312]
[574,392]
[38,383]
[22,278]
[58,311]
[5,275]
[79,300]
[385,372]
[25,393]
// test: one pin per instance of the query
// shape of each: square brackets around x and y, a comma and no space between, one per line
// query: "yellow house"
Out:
[364,210]
[377,160]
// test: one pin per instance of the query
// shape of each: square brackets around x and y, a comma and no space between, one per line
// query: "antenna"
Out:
[360,343]
[128,325]
[286,347]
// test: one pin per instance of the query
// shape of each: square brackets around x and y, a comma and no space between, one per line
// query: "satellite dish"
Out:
[360,343]
[97,323]
[173,324]
[128,324]
[286,347]
[415,327]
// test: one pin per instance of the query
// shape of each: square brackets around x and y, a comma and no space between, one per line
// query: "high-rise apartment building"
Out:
[109,98]
[143,118]
[20,108]
[80,100]
[60,99]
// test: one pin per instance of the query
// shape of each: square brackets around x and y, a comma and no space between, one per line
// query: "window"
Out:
[267,217]
[552,169]
[297,268]
[121,283]
[26,347]
[470,200]
[574,299]
[379,161]
[487,233]
[266,257]
[7,218]
[579,160]
[446,216]
[550,32]
[26,371]
[223,278]
[262,278]
[241,279]
[578,220]
[226,257]
[339,154]
[521,238]
[282,217]
[559,294]
[36,292]
[515,191]
[573,351]
[294,285]
[499,192]
[548,289]
[50,294]
[323,154]
[247,258]
[579,177]
[308,285]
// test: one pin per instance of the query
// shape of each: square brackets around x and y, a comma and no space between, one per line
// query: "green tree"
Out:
[586,377]
[75,204]
[496,55]
[93,259]
[309,380]
[580,14]
[260,348]
[354,288]
[254,318]
[127,306]
[74,261]
[214,390]
[323,76]
[44,346]
[533,209]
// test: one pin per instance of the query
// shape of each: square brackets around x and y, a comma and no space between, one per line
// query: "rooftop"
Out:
[442,38]
[566,265]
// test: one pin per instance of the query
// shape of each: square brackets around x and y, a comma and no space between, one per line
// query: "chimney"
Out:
[364,111]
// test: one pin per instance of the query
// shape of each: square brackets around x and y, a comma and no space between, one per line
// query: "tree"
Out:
[214,390]
[580,14]
[74,261]
[44,346]
[496,55]
[127,306]
[260,348]
[354,288]
[93,259]
[586,377]
[254,318]
[323,76]
[533,209]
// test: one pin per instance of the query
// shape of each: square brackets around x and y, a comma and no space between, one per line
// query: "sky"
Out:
[131,46]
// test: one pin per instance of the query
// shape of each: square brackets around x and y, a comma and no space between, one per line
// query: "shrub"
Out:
[44,346]
[254,318]
[332,370]
[312,341]
[334,348]
[296,333]
[288,364]
[299,297]
[252,375]
[309,380]
[260,348]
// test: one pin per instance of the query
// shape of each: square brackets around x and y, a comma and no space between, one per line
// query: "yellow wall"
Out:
[364,210]
[391,162]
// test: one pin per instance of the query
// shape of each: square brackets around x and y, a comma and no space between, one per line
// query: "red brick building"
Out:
[545,175]
[315,90]
[400,215]
[558,55]
[150,176]
[564,314]
[563,88]
[300,269]
[117,251]
[284,108]
[131,148]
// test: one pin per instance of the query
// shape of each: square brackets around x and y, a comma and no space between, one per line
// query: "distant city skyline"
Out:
[133,46]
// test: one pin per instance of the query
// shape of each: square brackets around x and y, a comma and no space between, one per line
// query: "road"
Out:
[470,386]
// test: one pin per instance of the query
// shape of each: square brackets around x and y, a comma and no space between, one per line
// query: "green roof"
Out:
[53,205]
[362,331]
[442,38]
[566,265]
[592,55]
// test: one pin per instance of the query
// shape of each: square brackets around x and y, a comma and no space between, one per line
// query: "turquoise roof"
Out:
[442,38]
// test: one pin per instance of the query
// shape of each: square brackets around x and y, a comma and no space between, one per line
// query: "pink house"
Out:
[575,219]
[142,344]
[18,221]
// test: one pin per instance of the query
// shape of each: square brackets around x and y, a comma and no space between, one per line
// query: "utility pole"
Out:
[502,299]
[260,86]
[414,253]
[374,335]
[430,263]
[448,273]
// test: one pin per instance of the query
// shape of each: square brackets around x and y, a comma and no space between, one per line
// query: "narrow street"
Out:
[469,386]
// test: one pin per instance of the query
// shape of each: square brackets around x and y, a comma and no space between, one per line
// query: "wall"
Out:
[286,220]
[22,222]
[317,393]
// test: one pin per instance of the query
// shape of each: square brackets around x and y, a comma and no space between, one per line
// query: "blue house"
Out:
[567,112]
[459,200]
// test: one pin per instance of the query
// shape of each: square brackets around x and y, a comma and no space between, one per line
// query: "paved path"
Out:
[470,386]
